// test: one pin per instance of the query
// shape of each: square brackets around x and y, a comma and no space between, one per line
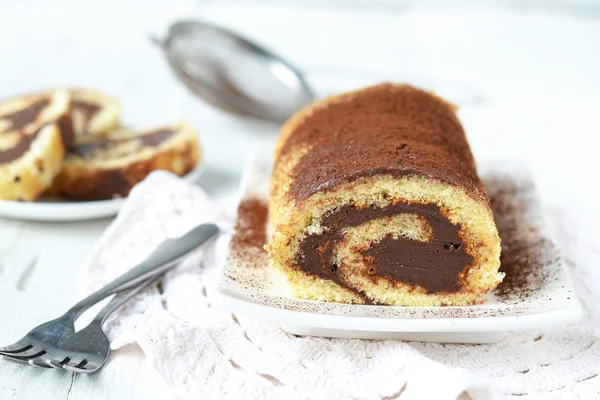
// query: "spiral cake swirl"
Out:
[93,113]
[375,199]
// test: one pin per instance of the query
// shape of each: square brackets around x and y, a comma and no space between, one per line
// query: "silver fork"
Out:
[88,349]
[49,338]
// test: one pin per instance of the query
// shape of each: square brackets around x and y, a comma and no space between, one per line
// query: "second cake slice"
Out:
[108,166]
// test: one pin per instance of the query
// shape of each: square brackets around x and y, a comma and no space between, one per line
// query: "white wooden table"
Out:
[538,72]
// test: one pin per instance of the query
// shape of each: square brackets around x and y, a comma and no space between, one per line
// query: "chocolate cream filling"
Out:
[152,139]
[87,109]
[435,265]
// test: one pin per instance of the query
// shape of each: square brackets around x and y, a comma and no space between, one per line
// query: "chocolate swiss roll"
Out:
[34,132]
[109,165]
[375,199]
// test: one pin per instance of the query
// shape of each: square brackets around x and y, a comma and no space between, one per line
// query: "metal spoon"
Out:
[234,74]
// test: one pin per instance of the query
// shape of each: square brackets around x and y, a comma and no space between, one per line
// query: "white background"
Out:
[537,70]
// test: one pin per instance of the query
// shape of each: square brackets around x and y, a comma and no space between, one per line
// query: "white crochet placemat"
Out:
[203,352]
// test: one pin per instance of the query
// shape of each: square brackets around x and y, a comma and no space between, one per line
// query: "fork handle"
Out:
[121,298]
[159,262]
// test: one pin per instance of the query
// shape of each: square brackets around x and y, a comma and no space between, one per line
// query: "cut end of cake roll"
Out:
[109,165]
[34,131]
[375,200]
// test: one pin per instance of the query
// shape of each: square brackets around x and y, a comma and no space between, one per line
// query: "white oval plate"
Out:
[56,210]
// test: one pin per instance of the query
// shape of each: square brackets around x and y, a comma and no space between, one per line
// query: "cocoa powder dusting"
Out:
[381,130]
[250,233]
[524,252]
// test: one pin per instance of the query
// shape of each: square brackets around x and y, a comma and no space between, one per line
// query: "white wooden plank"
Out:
[19,382]
[126,376]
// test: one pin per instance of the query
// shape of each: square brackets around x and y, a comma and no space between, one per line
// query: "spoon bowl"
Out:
[233,73]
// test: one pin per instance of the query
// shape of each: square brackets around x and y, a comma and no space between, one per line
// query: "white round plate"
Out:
[56,210]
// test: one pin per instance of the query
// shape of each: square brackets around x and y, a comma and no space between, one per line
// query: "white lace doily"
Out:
[203,352]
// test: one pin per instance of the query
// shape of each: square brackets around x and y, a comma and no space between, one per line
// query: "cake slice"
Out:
[109,165]
[34,132]
[375,199]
